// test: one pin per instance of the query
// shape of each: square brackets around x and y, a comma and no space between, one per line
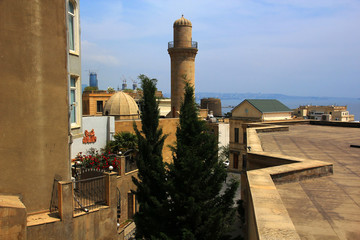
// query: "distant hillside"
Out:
[225,96]
[241,96]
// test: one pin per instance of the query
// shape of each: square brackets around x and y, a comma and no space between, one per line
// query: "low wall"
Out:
[100,223]
[12,218]
[336,124]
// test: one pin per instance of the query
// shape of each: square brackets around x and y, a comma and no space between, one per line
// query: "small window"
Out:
[74,101]
[73,96]
[99,106]
[236,135]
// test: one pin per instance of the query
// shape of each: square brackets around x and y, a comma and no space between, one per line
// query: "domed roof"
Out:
[182,22]
[122,105]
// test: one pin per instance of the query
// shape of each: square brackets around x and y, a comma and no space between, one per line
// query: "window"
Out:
[236,160]
[99,106]
[236,135]
[71,16]
[73,27]
[74,101]
[132,205]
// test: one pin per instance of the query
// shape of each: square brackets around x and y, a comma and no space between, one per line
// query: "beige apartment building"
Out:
[250,111]
[329,113]
[93,102]
[41,116]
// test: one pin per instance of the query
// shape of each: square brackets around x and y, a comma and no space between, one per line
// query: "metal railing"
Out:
[89,194]
[194,44]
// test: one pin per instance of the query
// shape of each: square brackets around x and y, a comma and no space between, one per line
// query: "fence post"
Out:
[65,195]
[110,186]
[122,164]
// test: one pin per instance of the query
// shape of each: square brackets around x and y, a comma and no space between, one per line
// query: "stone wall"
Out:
[167,124]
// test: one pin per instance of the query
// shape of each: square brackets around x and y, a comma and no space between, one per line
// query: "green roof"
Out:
[268,105]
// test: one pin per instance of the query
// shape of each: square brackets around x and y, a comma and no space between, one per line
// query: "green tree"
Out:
[110,90]
[151,219]
[88,88]
[198,210]
[122,142]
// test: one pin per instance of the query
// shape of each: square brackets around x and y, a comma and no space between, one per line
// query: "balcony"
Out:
[193,44]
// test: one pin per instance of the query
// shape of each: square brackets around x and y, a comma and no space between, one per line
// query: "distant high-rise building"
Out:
[93,81]
[124,85]
[134,85]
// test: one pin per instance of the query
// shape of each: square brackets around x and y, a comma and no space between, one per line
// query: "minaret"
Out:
[182,53]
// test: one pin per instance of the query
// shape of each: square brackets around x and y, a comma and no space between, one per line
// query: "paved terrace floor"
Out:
[326,207]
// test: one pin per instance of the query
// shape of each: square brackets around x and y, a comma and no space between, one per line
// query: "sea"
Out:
[353,105]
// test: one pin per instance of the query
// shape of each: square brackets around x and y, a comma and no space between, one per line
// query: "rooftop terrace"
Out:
[327,207]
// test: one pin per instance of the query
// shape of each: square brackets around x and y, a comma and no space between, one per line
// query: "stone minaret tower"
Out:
[182,53]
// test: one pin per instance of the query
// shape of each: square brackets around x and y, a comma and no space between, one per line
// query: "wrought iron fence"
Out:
[89,194]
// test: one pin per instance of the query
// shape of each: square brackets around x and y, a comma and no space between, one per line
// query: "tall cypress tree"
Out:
[198,210]
[151,219]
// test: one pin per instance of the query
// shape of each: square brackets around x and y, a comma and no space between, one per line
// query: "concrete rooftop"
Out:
[326,207]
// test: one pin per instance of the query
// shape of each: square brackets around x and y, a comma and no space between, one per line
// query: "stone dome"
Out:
[122,106]
[182,22]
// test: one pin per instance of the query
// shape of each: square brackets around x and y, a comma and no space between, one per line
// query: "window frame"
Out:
[75,27]
[98,104]
[76,104]
[236,135]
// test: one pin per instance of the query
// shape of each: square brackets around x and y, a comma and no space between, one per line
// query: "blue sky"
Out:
[297,47]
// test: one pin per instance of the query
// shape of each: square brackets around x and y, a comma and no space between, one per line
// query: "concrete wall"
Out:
[167,124]
[104,128]
[12,218]
[276,116]
[125,185]
[224,135]
[34,99]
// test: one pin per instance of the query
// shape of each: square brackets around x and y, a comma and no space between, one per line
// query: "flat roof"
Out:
[326,207]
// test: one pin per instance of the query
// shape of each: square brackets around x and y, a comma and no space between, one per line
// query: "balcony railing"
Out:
[193,44]
[89,194]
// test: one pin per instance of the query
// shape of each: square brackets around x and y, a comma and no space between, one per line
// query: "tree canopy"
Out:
[196,176]
[151,219]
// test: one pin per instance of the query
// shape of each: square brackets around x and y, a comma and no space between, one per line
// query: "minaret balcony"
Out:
[193,44]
